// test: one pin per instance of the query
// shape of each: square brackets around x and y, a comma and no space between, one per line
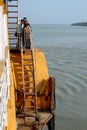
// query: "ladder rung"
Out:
[12,5]
[26,59]
[28,76]
[30,94]
[25,76]
[11,33]
[12,28]
[13,38]
[31,71]
[12,11]
[27,81]
[12,22]
[28,70]
[27,64]
[13,44]
[14,0]
[28,84]
[13,17]
[28,87]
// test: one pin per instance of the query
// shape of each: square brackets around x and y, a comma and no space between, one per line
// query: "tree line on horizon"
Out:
[79,24]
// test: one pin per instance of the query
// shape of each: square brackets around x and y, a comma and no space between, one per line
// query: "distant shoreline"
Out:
[79,24]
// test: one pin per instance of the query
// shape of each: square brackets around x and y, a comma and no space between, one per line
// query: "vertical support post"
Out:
[51,123]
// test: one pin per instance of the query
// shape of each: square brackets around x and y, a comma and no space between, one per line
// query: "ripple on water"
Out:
[69,83]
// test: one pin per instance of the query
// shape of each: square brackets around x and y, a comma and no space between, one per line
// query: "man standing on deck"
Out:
[27,31]
[20,31]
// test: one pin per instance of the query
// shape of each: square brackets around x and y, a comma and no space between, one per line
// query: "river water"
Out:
[65,48]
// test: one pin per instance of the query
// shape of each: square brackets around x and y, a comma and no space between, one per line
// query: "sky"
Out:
[53,11]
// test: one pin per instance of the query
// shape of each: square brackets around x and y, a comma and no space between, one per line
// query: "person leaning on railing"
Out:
[26,34]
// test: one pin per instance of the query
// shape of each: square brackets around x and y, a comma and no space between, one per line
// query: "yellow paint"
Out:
[17,66]
[42,77]
[1,2]
[41,68]
[4,9]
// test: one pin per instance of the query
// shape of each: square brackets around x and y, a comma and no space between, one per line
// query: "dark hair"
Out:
[22,20]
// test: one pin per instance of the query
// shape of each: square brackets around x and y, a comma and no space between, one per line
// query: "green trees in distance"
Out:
[79,24]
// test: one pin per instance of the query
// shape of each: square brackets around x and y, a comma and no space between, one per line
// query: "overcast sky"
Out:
[53,11]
